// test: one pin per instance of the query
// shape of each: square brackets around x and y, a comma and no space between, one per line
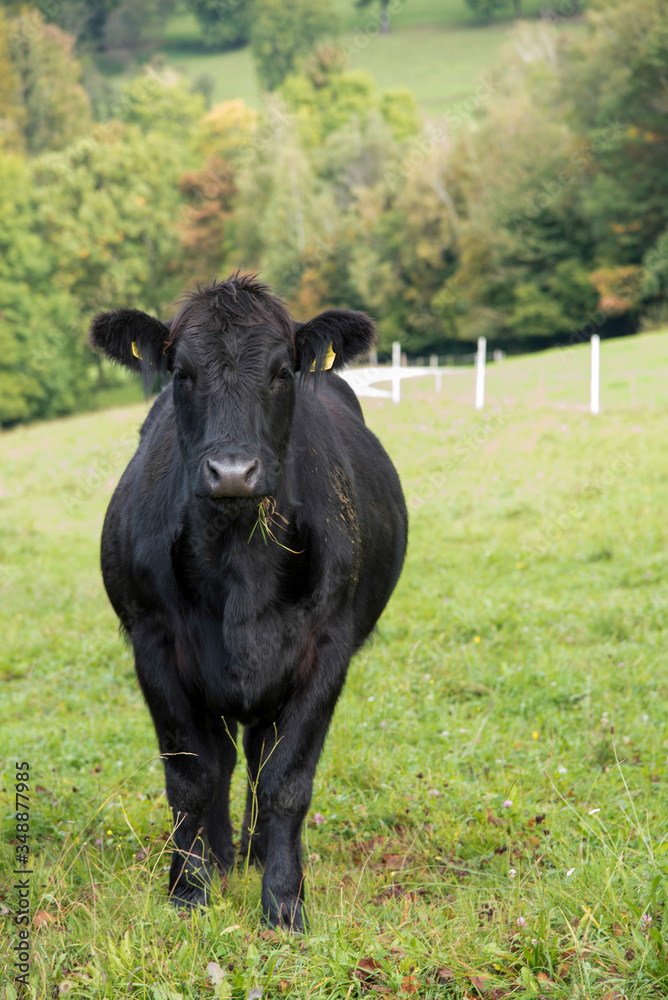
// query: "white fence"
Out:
[364,381]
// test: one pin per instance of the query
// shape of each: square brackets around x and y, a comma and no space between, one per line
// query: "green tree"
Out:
[324,102]
[226,24]
[56,106]
[284,31]
[110,204]
[489,9]
[43,363]
[12,109]
[384,13]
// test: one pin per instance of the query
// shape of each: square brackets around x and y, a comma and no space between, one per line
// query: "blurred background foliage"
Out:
[533,211]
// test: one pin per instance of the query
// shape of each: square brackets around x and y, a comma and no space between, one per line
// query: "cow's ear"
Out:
[345,333]
[134,339]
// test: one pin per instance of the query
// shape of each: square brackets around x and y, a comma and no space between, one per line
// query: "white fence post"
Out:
[396,374]
[480,373]
[595,373]
[438,376]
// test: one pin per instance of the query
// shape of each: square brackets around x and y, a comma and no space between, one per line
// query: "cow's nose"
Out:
[235,477]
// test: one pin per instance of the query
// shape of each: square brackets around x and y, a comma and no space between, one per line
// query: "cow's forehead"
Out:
[215,324]
[252,346]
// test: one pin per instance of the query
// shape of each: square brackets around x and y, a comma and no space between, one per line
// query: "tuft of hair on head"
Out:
[239,301]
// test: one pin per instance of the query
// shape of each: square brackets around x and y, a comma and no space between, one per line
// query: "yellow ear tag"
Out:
[329,359]
[135,351]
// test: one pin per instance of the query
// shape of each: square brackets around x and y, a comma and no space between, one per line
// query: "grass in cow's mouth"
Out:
[266,512]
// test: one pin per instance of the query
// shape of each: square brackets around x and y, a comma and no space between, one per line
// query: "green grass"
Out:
[529,622]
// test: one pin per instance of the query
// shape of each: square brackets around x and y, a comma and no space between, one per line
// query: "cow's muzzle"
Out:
[234,476]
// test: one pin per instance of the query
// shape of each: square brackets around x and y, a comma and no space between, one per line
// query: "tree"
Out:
[225,136]
[224,25]
[384,13]
[488,9]
[110,205]
[42,358]
[322,102]
[56,106]
[285,31]
[12,110]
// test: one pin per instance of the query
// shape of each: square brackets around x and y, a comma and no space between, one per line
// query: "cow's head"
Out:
[235,355]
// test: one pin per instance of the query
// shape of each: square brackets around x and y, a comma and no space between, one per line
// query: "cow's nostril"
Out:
[251,471]
[211,472]
[231,477]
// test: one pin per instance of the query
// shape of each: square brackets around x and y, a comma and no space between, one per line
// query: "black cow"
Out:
[248,550]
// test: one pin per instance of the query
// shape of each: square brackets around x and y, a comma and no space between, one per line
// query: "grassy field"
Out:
[436,49]
[494,785]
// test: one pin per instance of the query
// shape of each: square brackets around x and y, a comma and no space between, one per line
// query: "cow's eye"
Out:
[181,376]
[284,374]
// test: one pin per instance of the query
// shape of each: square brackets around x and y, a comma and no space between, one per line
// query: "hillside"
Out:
[436,50]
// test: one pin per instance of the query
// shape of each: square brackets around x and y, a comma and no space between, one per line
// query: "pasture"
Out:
[490,815]
[435,49]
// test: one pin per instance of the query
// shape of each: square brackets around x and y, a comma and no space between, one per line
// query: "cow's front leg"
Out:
[290,750]
[198,763]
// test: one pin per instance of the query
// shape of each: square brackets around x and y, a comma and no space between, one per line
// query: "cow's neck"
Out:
[245,550]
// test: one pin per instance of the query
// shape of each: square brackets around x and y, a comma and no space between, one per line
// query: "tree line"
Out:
[534,213]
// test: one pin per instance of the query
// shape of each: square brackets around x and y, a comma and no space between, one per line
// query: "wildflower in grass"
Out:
[98,842]
[507,803]
[476,638]
[511,873]
[318,819]
[521,922]
[535,734]
[645,921]
[562,770]
[570,872]
[592,812]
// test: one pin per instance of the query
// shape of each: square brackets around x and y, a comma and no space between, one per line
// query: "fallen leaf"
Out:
[410,984]
[394,860]
[494,820]
[283,985]
[43,919]
[617,930]
[479,981]
[216,973]
[366,970]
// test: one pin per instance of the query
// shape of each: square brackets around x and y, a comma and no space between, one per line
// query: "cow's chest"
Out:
[244,664]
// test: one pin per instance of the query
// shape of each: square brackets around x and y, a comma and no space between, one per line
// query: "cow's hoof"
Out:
[188,897]
[287,916]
